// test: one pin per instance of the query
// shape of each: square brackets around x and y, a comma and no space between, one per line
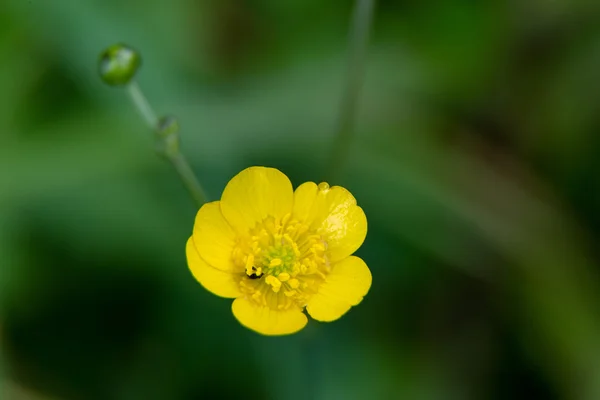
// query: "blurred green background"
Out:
[475,157]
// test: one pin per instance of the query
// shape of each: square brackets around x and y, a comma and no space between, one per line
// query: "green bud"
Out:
[167,136]
[118,64]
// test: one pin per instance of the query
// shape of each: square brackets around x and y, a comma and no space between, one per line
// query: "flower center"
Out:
[284,262]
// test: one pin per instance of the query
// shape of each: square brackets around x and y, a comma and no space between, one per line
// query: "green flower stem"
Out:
[182,166]
[358,44]
[141,103]
[167,142]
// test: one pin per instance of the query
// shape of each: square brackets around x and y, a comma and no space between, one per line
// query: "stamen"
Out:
[274,282]
[284,276]
[319,246]
[294,283]
[249,264]
[275,262]
[284,260]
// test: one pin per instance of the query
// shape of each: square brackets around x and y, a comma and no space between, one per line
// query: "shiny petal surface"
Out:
[223,284]
[333,213]
[267,321]
[254,194]
[214,237]
[345,286]
[305,198]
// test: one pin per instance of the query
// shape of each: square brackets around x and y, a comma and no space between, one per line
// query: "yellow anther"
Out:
[249,264]
[323,186]
[318,259]
[294,283]
[275,262]
[284,276]
[319,246]
[282,255]
[274,282]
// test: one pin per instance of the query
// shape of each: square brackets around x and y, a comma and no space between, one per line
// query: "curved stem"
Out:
[358,43]
[175,157]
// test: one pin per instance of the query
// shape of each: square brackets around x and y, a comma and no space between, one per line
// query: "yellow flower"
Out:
[276,251]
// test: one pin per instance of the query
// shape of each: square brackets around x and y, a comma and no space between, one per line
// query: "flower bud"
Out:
[118,64]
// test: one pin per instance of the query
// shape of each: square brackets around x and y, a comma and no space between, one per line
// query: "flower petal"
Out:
[333,213]
[221,283]
[214,237]
[254,194]
[345,286]
[305,197]
[267,321]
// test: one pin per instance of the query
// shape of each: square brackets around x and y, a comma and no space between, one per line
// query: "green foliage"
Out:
[474,158]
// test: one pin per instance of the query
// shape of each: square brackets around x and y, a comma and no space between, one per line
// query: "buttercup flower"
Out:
[277,251]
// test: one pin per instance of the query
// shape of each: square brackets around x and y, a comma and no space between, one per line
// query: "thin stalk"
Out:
[362,20]
[182,166]
[142,105]
[173,154]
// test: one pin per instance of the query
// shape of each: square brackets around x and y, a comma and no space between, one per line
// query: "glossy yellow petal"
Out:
[267,321]
[254,194]
[305,197]
[345,286]
[333,213]
[214,237]
[221,283]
